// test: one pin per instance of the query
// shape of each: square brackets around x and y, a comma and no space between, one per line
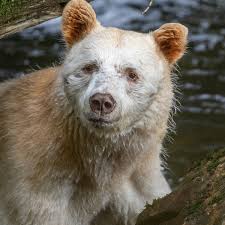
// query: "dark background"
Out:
[201,122]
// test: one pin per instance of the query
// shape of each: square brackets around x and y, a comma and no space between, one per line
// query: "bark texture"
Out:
[199,200]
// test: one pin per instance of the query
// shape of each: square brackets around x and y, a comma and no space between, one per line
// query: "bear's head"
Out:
[115,79]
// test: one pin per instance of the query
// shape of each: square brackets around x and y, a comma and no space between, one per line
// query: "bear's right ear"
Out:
[79,19]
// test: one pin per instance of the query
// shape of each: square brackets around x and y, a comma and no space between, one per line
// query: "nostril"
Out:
[108,105]
[96,105]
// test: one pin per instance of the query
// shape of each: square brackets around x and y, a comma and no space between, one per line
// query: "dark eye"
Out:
[90,68]
[131,74]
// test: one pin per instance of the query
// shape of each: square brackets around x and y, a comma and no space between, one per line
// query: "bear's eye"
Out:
[90,68]
[131,74]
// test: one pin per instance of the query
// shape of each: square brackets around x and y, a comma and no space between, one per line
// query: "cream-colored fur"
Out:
[59,168]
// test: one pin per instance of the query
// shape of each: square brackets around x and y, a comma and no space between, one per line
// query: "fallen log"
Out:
[16,15]
[199,199]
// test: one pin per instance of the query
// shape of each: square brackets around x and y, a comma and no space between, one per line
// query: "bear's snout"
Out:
[102,104]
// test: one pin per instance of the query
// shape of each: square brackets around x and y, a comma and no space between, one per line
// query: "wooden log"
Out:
[16,15]
[199,200]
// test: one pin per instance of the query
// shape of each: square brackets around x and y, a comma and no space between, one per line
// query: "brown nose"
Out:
[102,103]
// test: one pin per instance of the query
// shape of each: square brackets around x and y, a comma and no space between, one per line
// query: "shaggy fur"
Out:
[57,167]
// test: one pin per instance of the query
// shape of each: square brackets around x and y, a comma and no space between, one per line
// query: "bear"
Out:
[80,143]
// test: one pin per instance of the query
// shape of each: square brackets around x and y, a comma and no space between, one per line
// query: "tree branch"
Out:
[148,7]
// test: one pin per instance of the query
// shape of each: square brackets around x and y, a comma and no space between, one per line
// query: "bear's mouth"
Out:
[99,121]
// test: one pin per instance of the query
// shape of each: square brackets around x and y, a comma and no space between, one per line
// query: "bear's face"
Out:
[111,76]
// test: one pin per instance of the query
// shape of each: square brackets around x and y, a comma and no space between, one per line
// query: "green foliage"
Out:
[9,8]
[194,208]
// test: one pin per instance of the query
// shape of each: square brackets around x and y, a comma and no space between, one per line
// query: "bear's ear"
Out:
[78,20]
[172,40]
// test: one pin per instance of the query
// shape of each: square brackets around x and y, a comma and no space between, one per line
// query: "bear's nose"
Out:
[102,103]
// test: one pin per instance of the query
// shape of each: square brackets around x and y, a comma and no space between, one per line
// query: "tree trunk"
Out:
[199,200]
[16,15]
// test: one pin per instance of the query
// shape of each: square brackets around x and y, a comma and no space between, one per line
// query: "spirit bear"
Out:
[80,143]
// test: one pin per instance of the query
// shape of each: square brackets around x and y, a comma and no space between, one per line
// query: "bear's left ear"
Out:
[172,40]
[78,20]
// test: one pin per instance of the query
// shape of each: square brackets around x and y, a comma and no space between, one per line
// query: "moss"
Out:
[213,165]
[214,159]
[216,154]
[10,8]
[215,200]
[218,198]
[195,207]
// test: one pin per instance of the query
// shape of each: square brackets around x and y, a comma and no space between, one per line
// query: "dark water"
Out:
[201,122]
